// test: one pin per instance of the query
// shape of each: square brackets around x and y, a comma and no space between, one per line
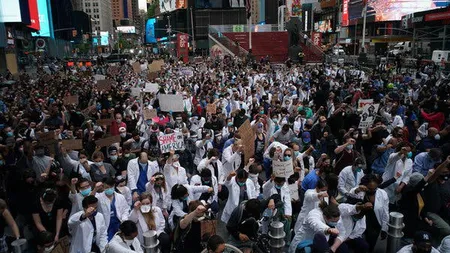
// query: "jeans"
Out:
[358,245]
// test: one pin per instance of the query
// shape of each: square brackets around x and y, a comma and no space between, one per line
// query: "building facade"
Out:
[121,10]
[100,12]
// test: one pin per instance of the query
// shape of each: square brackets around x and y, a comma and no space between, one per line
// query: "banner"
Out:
[169,142]
[135,92]
[187,71]
[108,141]
[172,103]
[75,144]
[345,13]
[104,85]
[293,189]
[282,168]
[183,46]
[211,108]
[368,115]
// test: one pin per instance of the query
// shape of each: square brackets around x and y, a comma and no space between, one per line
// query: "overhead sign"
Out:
[437,16]
[170,142]
[167,5]
[126,29]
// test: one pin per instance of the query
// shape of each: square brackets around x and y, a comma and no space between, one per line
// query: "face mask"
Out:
[252,176]
[409,155]
[10,134]
[129,242]
[358,169]
[230,124]
[349,147]
[371,193]
[186,198]
[275,120]
[99,164]
[85,192]
[109,191]
[95,213]
[143,164]
[206,182]
[332,224]
[118,121]
[241,183]
[145,208]
[126,155]
[287,158]
[113,158]
[49,249]
[296,153]
[278,187]
[437,137]
[123,135]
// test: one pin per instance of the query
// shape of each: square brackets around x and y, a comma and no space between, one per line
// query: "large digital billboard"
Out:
[34,15]
[167,5]
[126,29]
[150,36]
[10,11]
[45,20]
[390,10]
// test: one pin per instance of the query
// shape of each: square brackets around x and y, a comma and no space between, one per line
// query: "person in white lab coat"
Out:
[203,146]
[213,163]
[113,206]
[173,172]
[317,228]
[421,244]
[377,219]
[139,172]
[399,162]
[79,189]
[349,178]
[150,217]
[352,226]
[240,188]
[181,196]
[312,199]
[231,157]
[160,191]
[122,188]
[125,241]
[88,228]
[207,179]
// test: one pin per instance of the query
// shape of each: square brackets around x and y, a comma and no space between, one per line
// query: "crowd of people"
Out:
[345,180]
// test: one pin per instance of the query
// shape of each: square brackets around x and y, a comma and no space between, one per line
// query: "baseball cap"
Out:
[306,137]
[422,237]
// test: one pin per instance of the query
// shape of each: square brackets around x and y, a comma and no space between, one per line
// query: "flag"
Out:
[248,8]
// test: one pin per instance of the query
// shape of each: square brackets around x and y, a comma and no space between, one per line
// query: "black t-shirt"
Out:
[48,220]
[193,239]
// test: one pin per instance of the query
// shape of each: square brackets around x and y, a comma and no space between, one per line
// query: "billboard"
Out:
[150,36]
[10,11]
[45,20]
[385,10]
[104,38]
[34,15]
[323,26]
[167,5]
[126,29]
[237,3]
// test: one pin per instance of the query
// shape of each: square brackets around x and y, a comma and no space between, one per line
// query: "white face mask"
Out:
[437,137]
[145,208]
[129,242]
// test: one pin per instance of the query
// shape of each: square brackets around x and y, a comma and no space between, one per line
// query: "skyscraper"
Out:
[121,10]
[100,12]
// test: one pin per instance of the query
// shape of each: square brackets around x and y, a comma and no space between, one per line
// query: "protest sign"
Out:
[169,102]
[104,85]
[363,102]
[369,112]
[149,113]
[187,71]
[156,66]
[113,70]
[152,75]
[248,138]
[293,189]
[89,109]
[46,136]
[151,87]
[135,92]
[75,144]
[70,100]
[99,77]
[169,142]
[104,122]
[198,59]
[282,168]
[211,108]
[108,141]
[137,67]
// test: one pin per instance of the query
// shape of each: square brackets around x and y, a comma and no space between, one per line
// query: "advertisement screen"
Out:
[34,14]
[323,26]
[167,5]
[237,3]
[45,20]
[390,10]
[209,4]
[104,38]
[126,29]
[150,36]
[10,11]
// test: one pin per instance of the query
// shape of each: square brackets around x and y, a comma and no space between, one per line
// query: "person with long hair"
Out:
[150,217]
[47,213]
[125,241]
[158,188]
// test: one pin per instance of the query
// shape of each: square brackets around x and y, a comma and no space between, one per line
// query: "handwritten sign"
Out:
[149,113]
[248,138]
[152,75]
[70,100]
[104,85]
[282,168]
[211,108]
[137,67]
[104,122]
[169,102]
[99,77]
[293,189]
[89,109]
[108,141]
[135,92]
[151,87]
[169,142]
[75,144]
[363,102]
[187,71]
[156,66]
[46,136]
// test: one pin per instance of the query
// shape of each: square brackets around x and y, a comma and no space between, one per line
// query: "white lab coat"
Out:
[118,245]
[311,201]
[202,148]
[160,222]
[133,172]
[275,144]
[204,164]
[230,160]
[314,223]
[408,249]
[381,207]
[76,200]
[126,192]
[233,197]
[269,189]
[162,201]
[346,226]
[254,179]
[197,181]
[347,180]
[175,174]
[104,207]
[83,232]
[396,164]
[301,163]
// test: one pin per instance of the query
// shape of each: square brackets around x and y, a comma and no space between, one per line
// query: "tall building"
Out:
[135,11]
[100,12]
[121,10]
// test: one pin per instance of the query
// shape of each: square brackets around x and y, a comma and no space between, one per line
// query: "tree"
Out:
[151,11]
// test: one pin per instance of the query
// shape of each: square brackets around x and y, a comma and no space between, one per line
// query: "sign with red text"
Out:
[183,46]
[169,142]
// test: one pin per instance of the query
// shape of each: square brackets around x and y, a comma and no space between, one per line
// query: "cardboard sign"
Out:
[89,109]
[282,168]
[198,59]
[104,85]
[108,141]
[46,136]
[363,102]
[211,108]
[169,102]
[104,122]
[368,115]
[187,71]
[135,92]
[248,138]
[99,77]
[149,113]
[152,75]
[62,246]
[75,144]
[169,142]
[137,67]
[70,100]
[113,70]
[293,189]
[151,87]
[156,66]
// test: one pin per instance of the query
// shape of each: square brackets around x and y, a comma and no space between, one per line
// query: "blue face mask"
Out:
[109,191]
[241,183]
[359,169]
[287,158]
[409,155]
[2,162]
[278,187]
[349,147]
[186,198]
[296,153]
[332,224]
[85,192]
[9,134]
[206,182]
